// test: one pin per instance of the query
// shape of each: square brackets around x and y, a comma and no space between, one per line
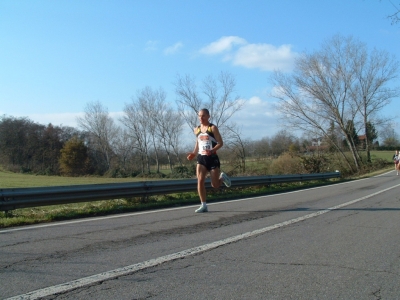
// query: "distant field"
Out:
[386,155]
[15,180]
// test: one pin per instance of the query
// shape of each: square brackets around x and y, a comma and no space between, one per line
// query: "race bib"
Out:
[204,143]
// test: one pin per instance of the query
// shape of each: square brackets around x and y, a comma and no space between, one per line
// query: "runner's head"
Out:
[204,116]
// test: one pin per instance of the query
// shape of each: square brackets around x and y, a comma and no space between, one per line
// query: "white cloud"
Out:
[255,106]
[265,57]
[258,118]
[173,49]
[239,52]
[255,100]
[223,44]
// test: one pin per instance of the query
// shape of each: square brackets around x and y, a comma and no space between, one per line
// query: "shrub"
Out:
[315,163]
[183,172]
[287,164]
[74,159]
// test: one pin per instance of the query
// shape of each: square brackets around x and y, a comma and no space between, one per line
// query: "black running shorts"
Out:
[209,161]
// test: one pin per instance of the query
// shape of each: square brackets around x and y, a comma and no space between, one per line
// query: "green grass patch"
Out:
[19,180]
[385,155]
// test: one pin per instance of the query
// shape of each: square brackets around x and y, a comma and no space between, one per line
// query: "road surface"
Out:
[334,242]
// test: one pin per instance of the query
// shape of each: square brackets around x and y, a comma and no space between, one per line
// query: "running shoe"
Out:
[225,179]
[201,209]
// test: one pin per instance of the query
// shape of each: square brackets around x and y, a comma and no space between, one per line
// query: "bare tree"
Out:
[281,142]
[137,124]
[220,99]
[102,129]
[371,92]
[170,125]
[324,87]
[124,149]
[145,117]
[389,135]
[302,112]
[152,105]
[222,102]
[260,148]
[189,101]
[238,146]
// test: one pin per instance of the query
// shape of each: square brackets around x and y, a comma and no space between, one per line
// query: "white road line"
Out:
[75,284]
[148,212]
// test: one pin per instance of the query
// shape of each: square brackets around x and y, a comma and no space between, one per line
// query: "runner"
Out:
[396,159]
[208,141]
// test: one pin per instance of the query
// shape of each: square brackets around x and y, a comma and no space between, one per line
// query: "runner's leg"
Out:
[215,180]
[201,178]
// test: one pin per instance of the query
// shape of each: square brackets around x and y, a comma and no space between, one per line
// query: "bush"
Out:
[287,164]
[377,164]
[74,160]
[115,173]
[183,172]
[315,163]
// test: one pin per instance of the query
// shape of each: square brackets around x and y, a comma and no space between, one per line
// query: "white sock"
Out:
[203,204]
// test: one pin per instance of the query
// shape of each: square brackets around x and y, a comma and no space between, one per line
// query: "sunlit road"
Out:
[336,242]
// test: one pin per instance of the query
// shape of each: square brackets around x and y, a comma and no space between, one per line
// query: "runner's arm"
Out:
[218,138]
[192,155]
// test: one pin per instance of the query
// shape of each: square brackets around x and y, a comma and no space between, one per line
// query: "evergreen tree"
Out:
[74,159]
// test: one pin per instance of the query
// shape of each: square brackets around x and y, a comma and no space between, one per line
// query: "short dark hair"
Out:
[204,110]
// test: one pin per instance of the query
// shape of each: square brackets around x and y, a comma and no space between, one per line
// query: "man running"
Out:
[208,141]
[396,159]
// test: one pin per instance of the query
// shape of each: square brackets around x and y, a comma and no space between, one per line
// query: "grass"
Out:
[45,214]
[19,180]
[385,155]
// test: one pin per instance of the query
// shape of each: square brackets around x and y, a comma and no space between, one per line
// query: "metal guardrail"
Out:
[14,198]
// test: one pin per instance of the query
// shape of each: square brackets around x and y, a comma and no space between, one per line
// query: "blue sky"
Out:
[57,56]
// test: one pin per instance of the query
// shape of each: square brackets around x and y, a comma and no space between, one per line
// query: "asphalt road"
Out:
[336,242]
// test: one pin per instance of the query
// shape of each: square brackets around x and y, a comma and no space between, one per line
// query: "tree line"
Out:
[26,146]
